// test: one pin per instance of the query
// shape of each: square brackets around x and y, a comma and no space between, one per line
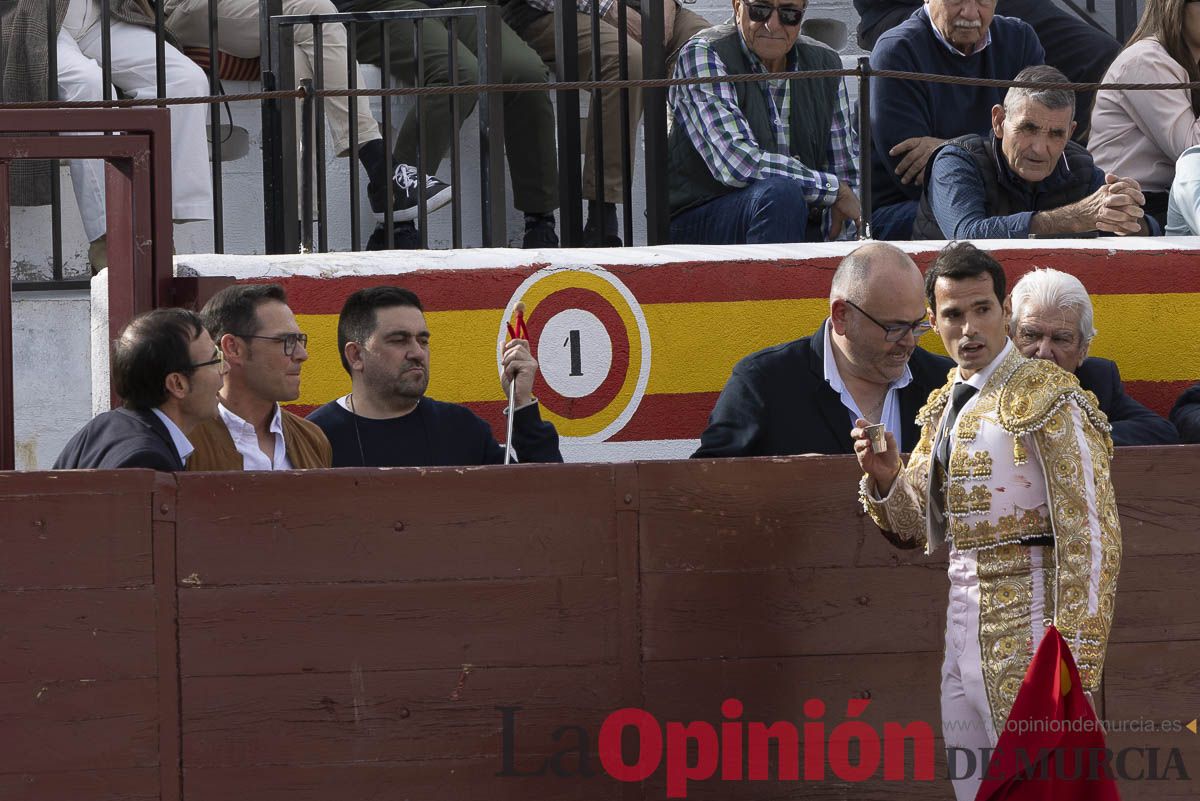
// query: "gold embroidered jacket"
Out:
[1031,457]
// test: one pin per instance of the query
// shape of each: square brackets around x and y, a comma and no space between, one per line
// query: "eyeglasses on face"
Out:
[289,341]
[217,359]
[788,15]
[895,333]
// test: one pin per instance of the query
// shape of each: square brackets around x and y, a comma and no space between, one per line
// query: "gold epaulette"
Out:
[931,412]
[1036,389]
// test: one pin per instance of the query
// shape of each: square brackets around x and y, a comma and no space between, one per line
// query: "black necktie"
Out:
[940,469]
[958,399]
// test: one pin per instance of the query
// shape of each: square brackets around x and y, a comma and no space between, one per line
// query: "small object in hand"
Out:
[878,436]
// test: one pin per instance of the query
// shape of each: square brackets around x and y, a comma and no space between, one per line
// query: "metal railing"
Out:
[280,147]
[296,191]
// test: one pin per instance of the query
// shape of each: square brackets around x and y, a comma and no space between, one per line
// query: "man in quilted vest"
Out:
[1012,471]
[762,161]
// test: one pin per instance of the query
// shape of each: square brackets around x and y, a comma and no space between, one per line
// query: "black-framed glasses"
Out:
[788,15]
[217,359]
[290,341]
[895,333]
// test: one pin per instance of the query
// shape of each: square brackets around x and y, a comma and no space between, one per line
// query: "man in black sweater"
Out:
[387,421]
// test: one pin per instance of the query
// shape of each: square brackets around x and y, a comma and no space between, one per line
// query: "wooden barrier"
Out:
[383,634]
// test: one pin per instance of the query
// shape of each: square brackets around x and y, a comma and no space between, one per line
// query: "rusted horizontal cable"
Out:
[581,86]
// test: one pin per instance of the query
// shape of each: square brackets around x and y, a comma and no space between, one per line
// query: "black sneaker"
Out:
[404,237]
[600,231]
[539,231]
[404,193]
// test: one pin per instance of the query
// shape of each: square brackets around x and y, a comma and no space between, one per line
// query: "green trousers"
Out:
[528,116]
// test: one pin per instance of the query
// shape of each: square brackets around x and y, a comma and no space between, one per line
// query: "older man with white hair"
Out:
[1052,319]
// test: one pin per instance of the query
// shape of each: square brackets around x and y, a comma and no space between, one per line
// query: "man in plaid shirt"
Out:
[763,161]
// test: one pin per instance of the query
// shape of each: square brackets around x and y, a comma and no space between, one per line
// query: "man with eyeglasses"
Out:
[1052,319]
[168,373]
[911,119]
[265,350]
[760,161]
[804,396]
[1012,472]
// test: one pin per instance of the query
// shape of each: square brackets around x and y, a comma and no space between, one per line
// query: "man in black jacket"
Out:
[386,420]
[1052,319]
[167,370]
[1186,415]
[803,396]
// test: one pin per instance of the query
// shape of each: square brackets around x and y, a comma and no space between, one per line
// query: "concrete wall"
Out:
[51,373]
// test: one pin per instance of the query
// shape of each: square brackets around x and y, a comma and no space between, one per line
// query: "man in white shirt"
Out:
[265,350]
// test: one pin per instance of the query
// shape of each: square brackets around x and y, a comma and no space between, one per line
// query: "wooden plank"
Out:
[85,634]
[170,735]
[1153,681]
[123,784]
[1156,492]
[390,716]
[763,514]
[1155,766]
[75,540]
[392,525]
[458,779]
[348,627]
[793,612]
[1156,600]
[78,725]
[76,482]
[901,688]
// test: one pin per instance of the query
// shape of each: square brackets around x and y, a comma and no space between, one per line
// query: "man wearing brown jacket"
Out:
[264,350]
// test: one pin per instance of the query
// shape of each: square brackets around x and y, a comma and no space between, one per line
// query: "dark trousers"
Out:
[529,140]
[771,210]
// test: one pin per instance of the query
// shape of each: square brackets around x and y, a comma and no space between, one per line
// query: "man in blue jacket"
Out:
[911,119]
[1052,319]
[1027,177]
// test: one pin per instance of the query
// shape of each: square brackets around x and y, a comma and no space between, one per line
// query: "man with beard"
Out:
[264,349]
[386,420]
[862,362]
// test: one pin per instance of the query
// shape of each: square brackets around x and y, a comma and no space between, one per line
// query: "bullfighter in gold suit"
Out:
[1012,470]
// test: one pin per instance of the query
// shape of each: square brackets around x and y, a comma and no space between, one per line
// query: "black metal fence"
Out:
[295,185]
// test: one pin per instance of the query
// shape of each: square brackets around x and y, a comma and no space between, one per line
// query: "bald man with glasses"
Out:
[804,396]
[264,350]
[757,162]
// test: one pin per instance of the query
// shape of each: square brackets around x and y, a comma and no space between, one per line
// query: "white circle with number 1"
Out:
[574,353]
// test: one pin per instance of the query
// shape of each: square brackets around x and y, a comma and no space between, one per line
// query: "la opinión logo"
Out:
[736,750]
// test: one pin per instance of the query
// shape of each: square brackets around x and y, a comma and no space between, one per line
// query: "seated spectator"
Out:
[1080,51]
[911,119]
[386,420]
[1052,319]
[804,396]
[528,116]
[80,77]
[264,349]
[1143,134]
[1183,205]
[239,34]
[1186,415]
[735,174]
[535,22]
[167,372]
[1026,178]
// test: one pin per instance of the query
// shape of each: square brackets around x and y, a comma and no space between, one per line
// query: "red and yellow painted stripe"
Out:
[702,317]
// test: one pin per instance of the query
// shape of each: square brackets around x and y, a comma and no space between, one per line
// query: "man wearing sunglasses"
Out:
[167,372]
[265,349]
[756,162]
[803,396]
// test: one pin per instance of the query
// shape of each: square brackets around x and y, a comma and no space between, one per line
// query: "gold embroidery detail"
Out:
[1005,603]
[1009,529]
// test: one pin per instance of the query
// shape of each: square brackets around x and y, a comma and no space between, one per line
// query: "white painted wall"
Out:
[51,373]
